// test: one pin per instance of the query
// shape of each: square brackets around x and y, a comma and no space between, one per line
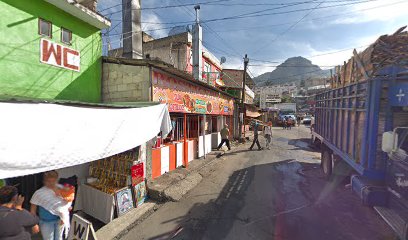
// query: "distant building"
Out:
[176,50]
[232,79]
[270,95]
[311,82]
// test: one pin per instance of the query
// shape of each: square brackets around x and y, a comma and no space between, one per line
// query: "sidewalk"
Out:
[171,186]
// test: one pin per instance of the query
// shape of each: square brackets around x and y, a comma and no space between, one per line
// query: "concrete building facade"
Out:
[51,49]
[270,95]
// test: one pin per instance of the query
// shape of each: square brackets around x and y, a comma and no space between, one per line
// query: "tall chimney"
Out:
[197,47]
[132,30]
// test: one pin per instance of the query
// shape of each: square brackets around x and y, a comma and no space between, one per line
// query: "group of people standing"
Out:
[48,215]
[267,131]
[288,122]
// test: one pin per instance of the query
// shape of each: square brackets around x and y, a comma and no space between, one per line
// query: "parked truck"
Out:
[365,126]
[286,110]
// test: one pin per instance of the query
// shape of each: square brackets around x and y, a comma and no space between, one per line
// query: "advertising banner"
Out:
[137,171]
[187,97]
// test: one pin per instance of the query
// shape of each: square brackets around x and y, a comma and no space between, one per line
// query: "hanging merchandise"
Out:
[112,173]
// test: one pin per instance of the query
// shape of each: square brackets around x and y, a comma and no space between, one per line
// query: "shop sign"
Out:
[184,97]
[137,171]
[124,200]
[81,229]
[140,193]
[58,55]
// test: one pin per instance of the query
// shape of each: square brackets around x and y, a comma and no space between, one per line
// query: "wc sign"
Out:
[81,229]
[58,55]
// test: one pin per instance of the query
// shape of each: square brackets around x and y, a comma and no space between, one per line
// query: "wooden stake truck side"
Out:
[365,124]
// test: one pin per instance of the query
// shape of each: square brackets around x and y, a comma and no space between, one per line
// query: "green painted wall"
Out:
[22,74]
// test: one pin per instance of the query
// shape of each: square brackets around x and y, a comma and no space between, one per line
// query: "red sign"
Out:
[137,173]
[58,55]
[185,97]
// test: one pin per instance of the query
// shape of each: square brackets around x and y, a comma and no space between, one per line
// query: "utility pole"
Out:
[131,29]
[197,46]
[242,117]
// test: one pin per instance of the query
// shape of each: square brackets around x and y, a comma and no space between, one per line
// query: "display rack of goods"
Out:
[112,173]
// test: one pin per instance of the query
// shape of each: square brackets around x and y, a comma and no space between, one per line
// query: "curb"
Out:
[121,225]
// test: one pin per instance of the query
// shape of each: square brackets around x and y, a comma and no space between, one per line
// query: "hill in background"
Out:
[293,70]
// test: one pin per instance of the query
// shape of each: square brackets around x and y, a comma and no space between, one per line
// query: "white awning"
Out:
[40,137]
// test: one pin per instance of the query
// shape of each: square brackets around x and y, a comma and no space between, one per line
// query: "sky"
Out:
[270,31]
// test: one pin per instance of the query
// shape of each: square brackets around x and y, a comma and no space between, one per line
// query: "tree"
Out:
[302,83]
[286,99]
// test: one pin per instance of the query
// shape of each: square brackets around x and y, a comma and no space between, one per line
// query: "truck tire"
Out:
[327,163]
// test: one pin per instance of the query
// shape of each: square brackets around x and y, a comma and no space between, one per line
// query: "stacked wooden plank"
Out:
[387,50]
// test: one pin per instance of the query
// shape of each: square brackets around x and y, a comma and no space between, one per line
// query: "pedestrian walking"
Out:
[289,123]
[268,134]
[256,140]
[285,122]
[224,138]
[13,218]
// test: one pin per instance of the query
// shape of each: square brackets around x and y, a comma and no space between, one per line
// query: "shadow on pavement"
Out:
[301,144]
[277,201]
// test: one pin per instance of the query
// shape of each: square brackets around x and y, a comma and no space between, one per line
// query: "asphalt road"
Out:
[271,194]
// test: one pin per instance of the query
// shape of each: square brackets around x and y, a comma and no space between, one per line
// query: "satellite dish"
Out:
[223,59]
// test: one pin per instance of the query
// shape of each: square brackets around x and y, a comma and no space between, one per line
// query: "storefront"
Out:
[197,112]
[101,148]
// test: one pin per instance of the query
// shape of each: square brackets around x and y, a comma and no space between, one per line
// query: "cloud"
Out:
[326,58]
[374,11]
[157,30]
[233,63]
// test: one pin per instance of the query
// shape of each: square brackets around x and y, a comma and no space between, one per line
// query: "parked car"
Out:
[282,118]
[307,120]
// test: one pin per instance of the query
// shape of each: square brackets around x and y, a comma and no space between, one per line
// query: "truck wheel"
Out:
[327,163]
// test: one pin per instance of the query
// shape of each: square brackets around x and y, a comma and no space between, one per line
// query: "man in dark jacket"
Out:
[13,218]
[255,127]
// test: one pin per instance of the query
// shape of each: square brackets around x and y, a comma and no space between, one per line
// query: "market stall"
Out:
[101,146]
[198,112]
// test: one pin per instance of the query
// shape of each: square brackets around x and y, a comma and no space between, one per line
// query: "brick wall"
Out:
[125,83]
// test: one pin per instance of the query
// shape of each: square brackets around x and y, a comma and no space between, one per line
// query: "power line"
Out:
[287,23]
[291,27]
[254,14]
[292,66]
[211,30]
[295,75]
[165,7]
[317,18]
[272,4]
[310,56]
